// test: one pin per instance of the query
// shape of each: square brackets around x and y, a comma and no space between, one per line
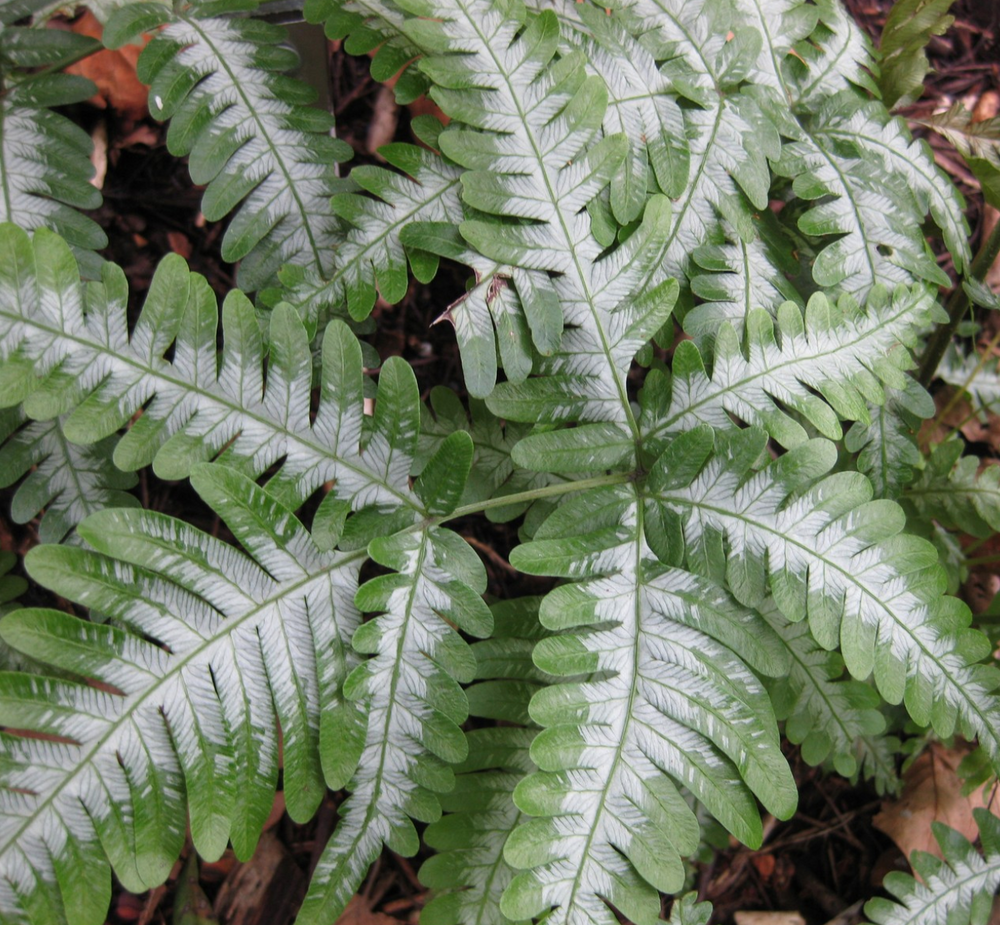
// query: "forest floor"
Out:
[816,868]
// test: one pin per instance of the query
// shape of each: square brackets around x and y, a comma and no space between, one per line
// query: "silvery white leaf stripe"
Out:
[961,887]
[527,144]
[412,701]
[249,138]
[65,480]
[843,352]
[370,254]
[832,718]
[35,192]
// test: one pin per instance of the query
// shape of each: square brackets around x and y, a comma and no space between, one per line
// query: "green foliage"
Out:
[729,527]
[958,889]
[908,29]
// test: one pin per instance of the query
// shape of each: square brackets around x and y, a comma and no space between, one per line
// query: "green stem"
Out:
[982,560]
[546,491]
[957,306]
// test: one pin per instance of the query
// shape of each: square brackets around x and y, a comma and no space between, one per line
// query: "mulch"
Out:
[822,863]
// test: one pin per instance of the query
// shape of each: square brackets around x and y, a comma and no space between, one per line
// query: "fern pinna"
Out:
[730,519]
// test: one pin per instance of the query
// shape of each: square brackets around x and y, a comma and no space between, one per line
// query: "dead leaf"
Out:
[358,913]
[266,890]
[113,71]
[769,918]
[179,243]
[385,118]
[932,792]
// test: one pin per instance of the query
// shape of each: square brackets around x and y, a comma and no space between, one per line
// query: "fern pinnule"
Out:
[65,481]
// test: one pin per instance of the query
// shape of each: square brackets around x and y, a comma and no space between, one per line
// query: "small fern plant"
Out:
[698,278]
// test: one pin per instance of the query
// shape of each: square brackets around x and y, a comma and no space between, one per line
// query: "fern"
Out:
[185,719]
[959,888]
[828,553]
[67,481]
[248,134]
[668,695]
[724,551]
[832,719]
[46,164]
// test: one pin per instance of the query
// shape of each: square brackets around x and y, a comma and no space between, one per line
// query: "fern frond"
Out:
[826,363]
[530,159]
[469,840]
[641,106]
[869,130]
[908,29]
[740,275]
[371,257]
[832,719]
[875,215]
[977,376]
[827,551]
[489,318]
[494,473]
[593,392]
[952,491]
[209,649]
[657,689]
[260,150]
[70,352]
[973,140]
[782,26]
[686,910]
[887,446]
[837,56]
[11,586]
[480,812]
[45,162]
[730,136]
[958,890]
[410,694]
[69,482]
[373,25]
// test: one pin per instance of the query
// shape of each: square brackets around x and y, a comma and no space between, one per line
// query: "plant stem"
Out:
[957,306]
[546,491]
[983,360]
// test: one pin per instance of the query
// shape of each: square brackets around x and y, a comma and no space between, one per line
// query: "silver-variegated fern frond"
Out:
[699,281]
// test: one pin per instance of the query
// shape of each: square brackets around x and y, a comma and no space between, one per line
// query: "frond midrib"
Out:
[629,713]
[770,371]
[831,709]
[262,132]
[681,209]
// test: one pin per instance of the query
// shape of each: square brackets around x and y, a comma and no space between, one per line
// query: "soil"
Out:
[821,864]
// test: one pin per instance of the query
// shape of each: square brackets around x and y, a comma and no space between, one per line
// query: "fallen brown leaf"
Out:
[769,918]
[113,71]
[932,792]
[266,890]
[358,913]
